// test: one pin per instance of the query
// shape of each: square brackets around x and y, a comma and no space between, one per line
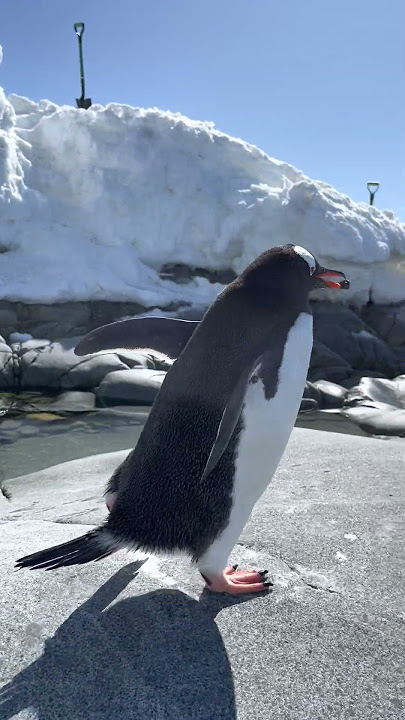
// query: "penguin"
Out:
[217,429]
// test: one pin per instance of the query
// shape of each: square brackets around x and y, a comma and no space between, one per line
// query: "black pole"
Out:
[81,102]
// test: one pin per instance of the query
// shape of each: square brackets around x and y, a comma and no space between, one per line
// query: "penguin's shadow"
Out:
[159,655]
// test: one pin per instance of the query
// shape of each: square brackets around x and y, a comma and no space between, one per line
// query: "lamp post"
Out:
[372,187]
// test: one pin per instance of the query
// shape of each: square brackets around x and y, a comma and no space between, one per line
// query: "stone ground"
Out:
[126,638]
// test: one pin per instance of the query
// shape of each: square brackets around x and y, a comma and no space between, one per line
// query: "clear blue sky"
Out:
[317,83]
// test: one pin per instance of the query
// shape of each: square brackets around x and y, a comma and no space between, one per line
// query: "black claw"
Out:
[263,573]
[267,584]
[235,567]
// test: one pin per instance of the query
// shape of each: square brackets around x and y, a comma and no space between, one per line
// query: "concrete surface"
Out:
[127,638]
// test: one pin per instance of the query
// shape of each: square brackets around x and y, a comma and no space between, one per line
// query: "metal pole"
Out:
[81,102]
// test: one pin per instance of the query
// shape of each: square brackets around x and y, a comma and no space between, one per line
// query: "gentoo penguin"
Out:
[217,429]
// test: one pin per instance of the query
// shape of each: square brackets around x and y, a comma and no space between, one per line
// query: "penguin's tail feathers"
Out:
[95,545]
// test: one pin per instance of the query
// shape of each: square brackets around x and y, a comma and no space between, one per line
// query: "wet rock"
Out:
[7,377]
[132,387]
[390,392]
[44,367]
[152,360]
[343,332]
[388,321]
[17,337]
[331,394]
[73,401]
[308,405]
[88,372]
[326,364]
[8,319]
[377,405]
[357,375]
[336,374]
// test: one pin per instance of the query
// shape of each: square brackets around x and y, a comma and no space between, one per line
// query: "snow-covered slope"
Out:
[92,203]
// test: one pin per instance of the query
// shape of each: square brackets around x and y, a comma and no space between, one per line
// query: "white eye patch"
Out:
[309,259]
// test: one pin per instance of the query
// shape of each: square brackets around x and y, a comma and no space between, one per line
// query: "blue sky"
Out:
[319,84]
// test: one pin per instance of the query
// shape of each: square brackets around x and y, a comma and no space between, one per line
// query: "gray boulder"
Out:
[43,366]
[326,364]
[388,321]
[345,333]
[132,387]
[331,394]
[377,405]
[7,370]
[88,372]
[327,395]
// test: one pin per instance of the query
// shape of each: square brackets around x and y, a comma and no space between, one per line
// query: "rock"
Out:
[17,337]
[103,312]
[327,365]
[338,374]
[32,345]
[356,376]
[71,401]
[8,319]
[61,319]
[390,392]
[310,391]
[330,421]
[378,405]
[7,370]
[308,405]
[327,527]
[6,401]
[343,332]
[133,387]
[388,321]
[323,395]
[89,372]
[44,367]
[331,394]
[149,360]
[380,419]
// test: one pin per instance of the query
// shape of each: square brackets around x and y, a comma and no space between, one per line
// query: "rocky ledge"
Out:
[357,369]
[132,637]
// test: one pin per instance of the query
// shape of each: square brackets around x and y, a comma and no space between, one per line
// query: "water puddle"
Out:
[31,441]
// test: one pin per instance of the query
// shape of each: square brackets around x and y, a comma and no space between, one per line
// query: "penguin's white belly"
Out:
[267,425]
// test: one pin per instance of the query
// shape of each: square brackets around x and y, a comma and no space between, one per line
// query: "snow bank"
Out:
[92,203]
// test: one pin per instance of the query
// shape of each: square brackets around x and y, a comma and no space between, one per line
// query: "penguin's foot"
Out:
[237,582]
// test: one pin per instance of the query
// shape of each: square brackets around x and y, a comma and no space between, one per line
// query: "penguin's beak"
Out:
[324,278]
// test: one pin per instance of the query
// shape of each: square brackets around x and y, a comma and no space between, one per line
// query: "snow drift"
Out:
[93,203]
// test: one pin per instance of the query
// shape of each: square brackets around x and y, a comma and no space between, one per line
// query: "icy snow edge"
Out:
[92,203]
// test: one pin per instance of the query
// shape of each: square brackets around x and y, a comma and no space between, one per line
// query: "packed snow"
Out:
[93,203]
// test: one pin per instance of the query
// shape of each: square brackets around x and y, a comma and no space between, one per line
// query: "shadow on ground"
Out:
[158,655]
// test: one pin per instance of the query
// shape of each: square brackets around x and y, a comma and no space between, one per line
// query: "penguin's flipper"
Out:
[166,335]
[230,418]
[95,545]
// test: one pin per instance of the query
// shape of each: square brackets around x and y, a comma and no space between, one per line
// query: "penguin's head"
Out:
[321,277]
[290,272]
